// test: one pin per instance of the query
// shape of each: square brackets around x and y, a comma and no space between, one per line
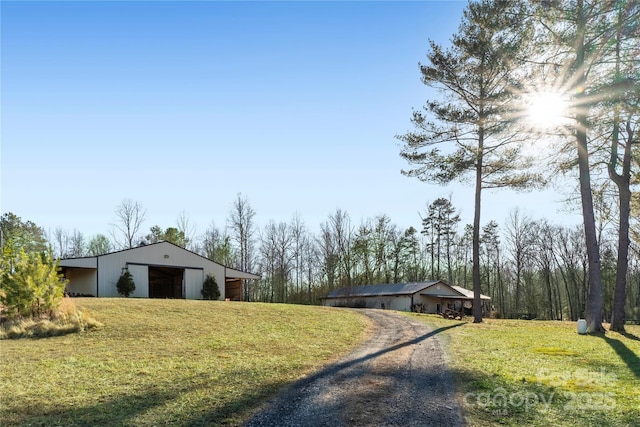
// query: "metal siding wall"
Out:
[440,290]
[193,280]
[169,255]
[391,302]
[110,267]
[218,273]
[429,303]
[140,275]
[400,303]
[376,302]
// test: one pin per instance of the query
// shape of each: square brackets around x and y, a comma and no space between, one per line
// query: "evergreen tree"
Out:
[210,290]
[99,245]
[125,284]
[440,227]
[21,234]
[475,77]
[31,283]
[216,245]
[171,234]
[490,240]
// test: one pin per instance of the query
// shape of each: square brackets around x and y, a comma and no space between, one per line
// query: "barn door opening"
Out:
[166,282]
[233,289]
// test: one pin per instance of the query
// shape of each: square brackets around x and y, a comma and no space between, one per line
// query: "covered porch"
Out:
[452,307]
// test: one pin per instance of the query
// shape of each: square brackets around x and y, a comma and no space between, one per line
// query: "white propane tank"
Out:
[582,326]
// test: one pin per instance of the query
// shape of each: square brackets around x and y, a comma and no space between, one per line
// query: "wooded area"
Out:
[531,268]
[582,59]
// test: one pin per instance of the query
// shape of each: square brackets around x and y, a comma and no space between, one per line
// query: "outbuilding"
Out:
[428,297]
[159,270]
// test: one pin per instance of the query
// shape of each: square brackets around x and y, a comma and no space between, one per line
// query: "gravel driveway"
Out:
[398,377]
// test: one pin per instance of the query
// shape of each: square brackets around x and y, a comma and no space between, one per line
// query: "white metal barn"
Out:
[159,270]
[435,297]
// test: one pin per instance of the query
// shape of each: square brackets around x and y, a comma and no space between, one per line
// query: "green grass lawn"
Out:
[169,362]
[177,362]
[540,373]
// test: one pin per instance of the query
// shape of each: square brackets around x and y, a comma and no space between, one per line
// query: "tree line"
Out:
[531,268]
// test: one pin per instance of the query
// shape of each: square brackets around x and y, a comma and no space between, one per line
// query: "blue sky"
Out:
[182,105]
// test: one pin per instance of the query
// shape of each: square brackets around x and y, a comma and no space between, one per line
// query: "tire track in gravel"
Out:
[398,377]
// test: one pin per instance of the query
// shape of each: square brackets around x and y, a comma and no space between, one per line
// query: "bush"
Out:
[419,308]
[31,285]
[210,290]
[125,284]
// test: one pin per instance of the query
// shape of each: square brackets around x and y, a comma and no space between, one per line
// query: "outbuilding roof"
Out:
[468,293]
[379,290]
[400,289]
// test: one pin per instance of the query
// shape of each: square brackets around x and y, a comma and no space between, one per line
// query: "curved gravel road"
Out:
[398,377]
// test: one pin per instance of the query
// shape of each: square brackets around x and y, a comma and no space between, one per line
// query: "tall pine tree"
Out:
[463,135]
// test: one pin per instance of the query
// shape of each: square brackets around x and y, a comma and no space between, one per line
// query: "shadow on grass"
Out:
[487,399]
[628,356]
[490,400]
[630,336]
[145,406]
[135,409]
[113,411]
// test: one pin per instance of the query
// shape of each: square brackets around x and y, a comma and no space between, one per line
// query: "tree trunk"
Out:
[624,190]
[546,274]
[622,181]
[558,293]
[477,308]
[593,309]
[518,280]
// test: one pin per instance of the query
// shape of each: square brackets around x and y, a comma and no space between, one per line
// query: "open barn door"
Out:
[166,282]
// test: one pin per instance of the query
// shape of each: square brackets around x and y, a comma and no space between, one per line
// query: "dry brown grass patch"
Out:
[67,320]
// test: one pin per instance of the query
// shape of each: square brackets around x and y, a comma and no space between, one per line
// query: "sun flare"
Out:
[548,110]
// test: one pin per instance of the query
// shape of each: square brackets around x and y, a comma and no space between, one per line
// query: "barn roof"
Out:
[91,261]
[378,290]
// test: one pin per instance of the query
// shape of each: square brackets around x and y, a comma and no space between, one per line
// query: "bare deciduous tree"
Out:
[60,240]
[188,230]
[77,247]
[129,218]
[243,230]
[300,241]
[520,240]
